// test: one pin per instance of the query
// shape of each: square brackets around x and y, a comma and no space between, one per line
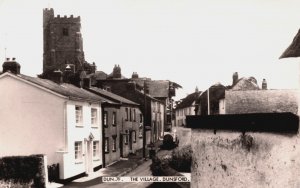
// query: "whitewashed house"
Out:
[186,106]
[38,116]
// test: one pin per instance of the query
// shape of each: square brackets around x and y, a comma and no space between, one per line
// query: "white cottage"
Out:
[38,116]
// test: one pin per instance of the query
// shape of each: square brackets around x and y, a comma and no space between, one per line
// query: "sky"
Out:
[191,42]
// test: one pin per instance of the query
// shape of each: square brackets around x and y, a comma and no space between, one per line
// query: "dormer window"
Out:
[65,32]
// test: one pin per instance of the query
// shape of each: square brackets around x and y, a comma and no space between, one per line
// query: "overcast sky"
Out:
[191,42]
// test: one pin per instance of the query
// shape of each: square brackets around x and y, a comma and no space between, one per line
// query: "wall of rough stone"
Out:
[231,159]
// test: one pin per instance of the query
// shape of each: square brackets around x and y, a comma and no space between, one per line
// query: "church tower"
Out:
[62,43]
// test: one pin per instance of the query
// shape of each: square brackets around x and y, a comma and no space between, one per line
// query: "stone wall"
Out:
[232,158]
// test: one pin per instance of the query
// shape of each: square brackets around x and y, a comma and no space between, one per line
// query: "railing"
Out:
[53,172]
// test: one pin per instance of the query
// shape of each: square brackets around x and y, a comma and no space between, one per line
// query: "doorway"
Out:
[88,156]
[121,145]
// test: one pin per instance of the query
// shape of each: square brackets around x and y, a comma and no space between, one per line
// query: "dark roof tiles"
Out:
[188,101]
[64,89]
[112,96]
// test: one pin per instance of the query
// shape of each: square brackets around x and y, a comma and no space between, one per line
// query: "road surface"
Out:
[142,170]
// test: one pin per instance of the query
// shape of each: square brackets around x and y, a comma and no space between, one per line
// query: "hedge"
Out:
[182,159]
[23,169]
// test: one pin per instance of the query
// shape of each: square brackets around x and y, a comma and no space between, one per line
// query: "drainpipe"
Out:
[65,126]
[103,136]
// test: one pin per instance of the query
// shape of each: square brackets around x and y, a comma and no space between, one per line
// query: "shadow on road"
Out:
[163,185]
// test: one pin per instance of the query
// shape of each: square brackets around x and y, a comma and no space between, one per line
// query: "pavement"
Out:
[117,169]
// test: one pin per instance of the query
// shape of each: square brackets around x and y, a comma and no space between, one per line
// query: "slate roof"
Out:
[98,75]
[188,100]
[64,89]
[112,96]
[157,88]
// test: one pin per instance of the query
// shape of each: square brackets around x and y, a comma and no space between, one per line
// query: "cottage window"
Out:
[65,32]
[114,119]
[114,144]
[141,130]
[78,112]
[106,145]
[126,111]
[78,151]
[105,118]
[94,117]
[134,136]
[96,151]
[134,115]
[130,115]
[126,136]
[141,118]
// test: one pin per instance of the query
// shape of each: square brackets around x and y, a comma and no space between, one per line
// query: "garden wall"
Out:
[253,150]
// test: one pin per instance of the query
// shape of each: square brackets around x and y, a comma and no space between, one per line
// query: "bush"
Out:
[23,169]
[158,165]
[182,159]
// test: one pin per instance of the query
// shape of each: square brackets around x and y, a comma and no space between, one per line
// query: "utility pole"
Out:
[144,117]
[208,103]
[171,104]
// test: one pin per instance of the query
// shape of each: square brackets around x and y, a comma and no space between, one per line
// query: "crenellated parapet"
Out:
[66,19]
[49,16]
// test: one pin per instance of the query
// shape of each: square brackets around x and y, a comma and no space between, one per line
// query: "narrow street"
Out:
[142,170]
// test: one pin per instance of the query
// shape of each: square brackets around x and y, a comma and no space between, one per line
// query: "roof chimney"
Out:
[11,65]
[131,85]
[235,78]
[57,76]
[135,75]
[264,84]
[117,71]
[86,82]
[68,73]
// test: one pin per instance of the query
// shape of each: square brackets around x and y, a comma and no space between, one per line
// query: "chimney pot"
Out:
[86,82]
[12,66]
[264,84]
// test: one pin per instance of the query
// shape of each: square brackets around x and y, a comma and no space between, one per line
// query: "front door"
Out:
[88,156]
[121,145]
[130,141]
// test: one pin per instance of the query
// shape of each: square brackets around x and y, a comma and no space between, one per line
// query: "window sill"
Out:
[78,162]
[95,127]
[106,152]
[114,150]
[126,143]
[79,126]
[97,159]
